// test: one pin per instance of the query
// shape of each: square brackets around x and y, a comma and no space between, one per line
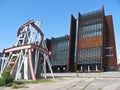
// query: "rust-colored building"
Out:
[92,43]
[90,47]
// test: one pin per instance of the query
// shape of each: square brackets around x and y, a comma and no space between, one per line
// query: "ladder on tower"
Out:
[13,57]
[12,63]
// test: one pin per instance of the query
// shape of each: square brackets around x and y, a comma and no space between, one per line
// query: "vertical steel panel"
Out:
[77,41]
[111,60]
[103,33]
[71,49]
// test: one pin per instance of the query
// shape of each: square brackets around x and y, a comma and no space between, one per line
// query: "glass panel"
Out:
[109,55]
[108,47]
[90,24]
[59,51]
[89,55]
[90,31]
[1,54]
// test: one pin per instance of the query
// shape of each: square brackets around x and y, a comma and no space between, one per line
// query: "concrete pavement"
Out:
[78,81]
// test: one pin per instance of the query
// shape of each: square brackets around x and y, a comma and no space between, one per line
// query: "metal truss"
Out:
[28,57]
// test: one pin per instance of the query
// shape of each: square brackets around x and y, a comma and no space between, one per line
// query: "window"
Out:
[109,55]
[90,31]
[1,54]
[108,47]
[59,51]
[89,55]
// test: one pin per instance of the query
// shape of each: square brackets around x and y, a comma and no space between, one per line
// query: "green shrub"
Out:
[2,81]
[6,79]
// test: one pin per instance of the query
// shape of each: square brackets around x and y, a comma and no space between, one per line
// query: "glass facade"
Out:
[90,31]
[60,51]
[90,26]
[89,55]
[1,54]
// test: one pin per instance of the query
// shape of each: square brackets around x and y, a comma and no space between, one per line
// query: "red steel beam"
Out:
[17,48]
[30,65]
[28,46]
[35,26]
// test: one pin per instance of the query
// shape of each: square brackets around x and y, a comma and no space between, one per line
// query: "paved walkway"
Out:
[78,81]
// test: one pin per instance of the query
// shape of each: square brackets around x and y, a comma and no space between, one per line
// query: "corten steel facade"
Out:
[94,49]
[71,49]
[59,48]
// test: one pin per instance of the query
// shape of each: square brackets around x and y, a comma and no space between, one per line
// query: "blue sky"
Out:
[55,15]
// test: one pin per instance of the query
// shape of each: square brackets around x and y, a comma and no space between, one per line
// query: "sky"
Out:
[55,15]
